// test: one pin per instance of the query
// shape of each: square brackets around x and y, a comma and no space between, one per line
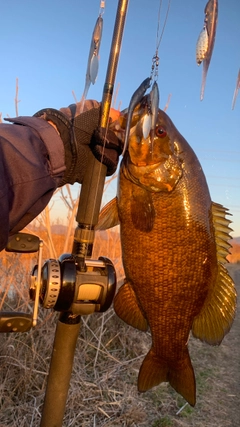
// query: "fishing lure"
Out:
[202,46]
[150,119]
[236,90]
[151,102]
[93,58]
[134,101]
[206,40]
[154,96]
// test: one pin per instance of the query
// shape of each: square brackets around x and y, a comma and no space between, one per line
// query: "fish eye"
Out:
[160,131]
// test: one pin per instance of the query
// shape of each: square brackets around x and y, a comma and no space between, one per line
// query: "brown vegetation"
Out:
[103,389]
[235,252]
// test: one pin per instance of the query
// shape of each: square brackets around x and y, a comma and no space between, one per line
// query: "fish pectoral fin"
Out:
[217,315]
[108,217]
[155,370]
[142,210]
[127,308]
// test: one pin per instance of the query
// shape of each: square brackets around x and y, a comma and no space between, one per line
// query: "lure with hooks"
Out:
[236,90]
[147,119]
[206,40]
[202,46]
[154,95]
[93,58]
[152,99]
[134,101]
[151,104]
[150,119]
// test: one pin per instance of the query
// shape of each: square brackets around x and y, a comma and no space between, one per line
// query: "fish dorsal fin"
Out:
[108,217]
[217,315]
[222,231]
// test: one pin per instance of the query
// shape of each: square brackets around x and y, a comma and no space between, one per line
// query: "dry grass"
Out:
[103,389]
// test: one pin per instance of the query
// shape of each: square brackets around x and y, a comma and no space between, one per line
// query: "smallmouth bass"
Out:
[174,246]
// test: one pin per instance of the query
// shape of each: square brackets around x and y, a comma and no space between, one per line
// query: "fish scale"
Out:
[157,256]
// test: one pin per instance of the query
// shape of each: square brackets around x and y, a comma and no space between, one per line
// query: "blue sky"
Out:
[46,44]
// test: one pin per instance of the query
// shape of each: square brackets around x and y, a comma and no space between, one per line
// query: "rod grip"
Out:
[59,374]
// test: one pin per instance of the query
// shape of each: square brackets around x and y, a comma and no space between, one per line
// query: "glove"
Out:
[80,135]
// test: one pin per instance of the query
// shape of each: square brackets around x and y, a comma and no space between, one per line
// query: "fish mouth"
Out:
[155,177]
[153,162]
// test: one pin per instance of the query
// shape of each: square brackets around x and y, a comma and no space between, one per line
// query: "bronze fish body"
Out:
[174,243]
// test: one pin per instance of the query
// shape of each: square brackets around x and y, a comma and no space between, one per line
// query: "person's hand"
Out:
[106,144]
[79,131]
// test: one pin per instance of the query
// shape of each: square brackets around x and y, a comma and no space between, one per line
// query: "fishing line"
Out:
[150,120]
[158,25]
[159,39]
[155,59]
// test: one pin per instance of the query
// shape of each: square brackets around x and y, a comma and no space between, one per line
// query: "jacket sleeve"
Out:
[32,165]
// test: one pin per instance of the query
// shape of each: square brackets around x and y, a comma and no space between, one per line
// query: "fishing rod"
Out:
[89,286]
[94,179]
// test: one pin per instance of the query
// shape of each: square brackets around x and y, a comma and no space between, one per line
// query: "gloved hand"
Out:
[80,135]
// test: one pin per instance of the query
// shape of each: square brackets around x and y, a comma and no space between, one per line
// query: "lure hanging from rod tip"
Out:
[151,101]
[151,104]
[134,101]
[206,40]
[93,58]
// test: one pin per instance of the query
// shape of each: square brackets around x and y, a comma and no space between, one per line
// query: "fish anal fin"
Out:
[180,375]
[127,308]
[108,217]
[218,312]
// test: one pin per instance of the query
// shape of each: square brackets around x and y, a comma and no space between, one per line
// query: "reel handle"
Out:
[20,321]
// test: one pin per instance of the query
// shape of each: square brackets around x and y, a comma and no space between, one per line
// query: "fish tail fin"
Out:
[155,370]
[183,380]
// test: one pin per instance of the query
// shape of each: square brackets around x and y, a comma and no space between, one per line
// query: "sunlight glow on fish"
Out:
[174,246]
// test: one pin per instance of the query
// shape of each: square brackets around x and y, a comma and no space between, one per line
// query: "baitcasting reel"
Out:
[60,285]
